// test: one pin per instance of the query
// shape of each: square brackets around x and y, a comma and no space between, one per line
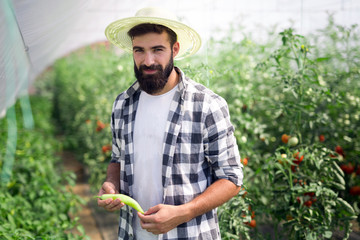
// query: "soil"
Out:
[98,223]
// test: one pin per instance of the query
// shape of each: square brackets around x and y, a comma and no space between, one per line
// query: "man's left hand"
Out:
[162,218]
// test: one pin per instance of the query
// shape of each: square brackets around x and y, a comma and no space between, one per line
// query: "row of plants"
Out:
[294,102]
[36,202]
[303,105]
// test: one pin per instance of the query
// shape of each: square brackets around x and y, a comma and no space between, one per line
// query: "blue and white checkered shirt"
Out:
[198,149]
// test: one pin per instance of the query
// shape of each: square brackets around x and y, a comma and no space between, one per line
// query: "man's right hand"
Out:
[109,204]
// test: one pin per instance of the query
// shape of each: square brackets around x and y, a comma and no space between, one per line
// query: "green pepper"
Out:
[123,198]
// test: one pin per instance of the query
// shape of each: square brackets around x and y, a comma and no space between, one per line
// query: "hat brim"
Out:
[189,40]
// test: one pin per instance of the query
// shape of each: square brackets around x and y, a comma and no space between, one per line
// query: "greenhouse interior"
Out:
[271,89]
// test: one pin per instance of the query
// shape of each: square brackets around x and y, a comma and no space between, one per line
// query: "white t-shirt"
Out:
[149,133]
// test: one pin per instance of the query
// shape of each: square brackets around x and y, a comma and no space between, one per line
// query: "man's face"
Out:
[153,61]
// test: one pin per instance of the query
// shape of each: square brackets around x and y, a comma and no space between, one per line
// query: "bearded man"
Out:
[173,146]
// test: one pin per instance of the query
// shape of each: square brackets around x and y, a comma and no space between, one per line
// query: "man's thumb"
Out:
[109,188]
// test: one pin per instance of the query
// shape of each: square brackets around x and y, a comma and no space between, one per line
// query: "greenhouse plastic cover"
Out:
[34,33]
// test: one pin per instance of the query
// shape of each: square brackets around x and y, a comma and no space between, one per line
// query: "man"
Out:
[173,145]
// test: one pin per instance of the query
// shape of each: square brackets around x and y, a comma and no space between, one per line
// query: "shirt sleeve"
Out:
[220,147]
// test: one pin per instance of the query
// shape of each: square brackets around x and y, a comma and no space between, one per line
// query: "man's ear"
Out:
[176,48]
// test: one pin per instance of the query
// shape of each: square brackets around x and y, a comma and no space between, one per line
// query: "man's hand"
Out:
[162,218]
[109,204]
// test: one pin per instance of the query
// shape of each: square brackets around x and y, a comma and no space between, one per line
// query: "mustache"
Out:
[151,67]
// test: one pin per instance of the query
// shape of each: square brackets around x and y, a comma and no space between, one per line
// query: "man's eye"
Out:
[158,49]
[138,50]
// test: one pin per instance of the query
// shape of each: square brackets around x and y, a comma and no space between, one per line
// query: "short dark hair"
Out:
[144,28]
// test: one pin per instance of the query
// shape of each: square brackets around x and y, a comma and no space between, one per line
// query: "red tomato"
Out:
[355,190]
[321,138]
[308,203]
[347,168]
[285,138]
[252,215]
[100,126]
[244,108]
[339,150]
[106,148]
[244,161]
[299,159]
[311,194]
[244,195]
[252,223]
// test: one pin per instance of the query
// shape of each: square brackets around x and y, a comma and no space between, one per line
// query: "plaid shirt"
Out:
[198,149]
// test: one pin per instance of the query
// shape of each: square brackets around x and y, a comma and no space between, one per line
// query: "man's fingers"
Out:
[110,204]
[115,205]
[153,210]
[103,203]
[149,226]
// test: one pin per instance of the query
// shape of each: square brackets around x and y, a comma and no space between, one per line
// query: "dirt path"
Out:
[98,224]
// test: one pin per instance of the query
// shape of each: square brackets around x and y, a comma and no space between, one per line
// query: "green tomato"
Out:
[293,141]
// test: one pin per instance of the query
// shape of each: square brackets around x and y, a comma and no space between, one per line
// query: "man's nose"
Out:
[149,59]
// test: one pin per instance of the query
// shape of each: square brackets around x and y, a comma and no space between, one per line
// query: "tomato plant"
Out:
[35,203]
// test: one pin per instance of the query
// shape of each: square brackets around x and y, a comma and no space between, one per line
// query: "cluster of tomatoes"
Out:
[290,140]
[308,199]
[297,161]
[252,223]
[349,169]
[298,158]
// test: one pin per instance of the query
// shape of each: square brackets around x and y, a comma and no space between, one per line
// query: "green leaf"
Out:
[81,229]
[327,234]
[347,207]
[339,178]
[337,185]
[11,221]
[338,169]
[322,59]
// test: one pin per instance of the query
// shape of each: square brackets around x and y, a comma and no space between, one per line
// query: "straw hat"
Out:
[188,38]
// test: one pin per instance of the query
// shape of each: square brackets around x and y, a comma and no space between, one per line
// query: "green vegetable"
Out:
[123,198]
[293,141]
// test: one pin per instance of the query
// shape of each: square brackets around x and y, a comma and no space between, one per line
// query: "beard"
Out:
[153,83]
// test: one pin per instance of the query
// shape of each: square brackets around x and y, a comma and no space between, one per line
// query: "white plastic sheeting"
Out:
[14,62]
[34,33]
